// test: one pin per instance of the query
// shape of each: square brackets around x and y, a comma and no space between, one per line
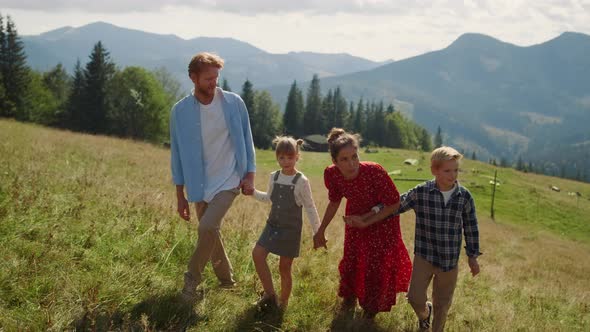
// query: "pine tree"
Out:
[379,124]
[225,85]
[473,157]
[369,132]
[359,118]
[2,95]
[3,100]
[438,140]
[327,114]
[293,116]
[98,73]
[366,116]
[340,109]
[425,140]
[390,109]
[76,104]
[313,105]
[14,73]
[349,117]
[248,94]
[248,98]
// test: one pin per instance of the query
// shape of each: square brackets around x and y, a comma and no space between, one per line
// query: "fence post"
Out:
[494,194]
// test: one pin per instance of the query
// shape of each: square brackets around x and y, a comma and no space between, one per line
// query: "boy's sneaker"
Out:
[425,323]
[266,303]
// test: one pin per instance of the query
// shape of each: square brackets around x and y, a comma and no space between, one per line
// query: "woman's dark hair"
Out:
[338,138]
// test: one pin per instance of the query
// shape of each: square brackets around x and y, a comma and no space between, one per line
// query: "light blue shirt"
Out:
[186,142]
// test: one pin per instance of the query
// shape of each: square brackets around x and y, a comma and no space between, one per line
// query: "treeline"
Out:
[317,114]
[100,98]
[563,169]
[378,124]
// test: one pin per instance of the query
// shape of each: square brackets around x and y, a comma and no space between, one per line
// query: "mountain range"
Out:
[490,97]
[129,47]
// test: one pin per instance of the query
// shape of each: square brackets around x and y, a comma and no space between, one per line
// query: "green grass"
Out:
[90,241]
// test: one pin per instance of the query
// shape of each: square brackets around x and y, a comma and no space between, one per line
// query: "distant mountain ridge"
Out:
[490,97]
[495,98]
[133,47]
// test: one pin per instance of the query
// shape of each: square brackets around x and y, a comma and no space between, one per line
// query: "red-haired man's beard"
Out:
[206,90]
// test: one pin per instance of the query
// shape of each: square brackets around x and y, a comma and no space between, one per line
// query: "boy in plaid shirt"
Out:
[443,210]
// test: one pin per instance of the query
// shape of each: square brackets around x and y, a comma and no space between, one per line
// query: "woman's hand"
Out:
[355,221]
[319,240]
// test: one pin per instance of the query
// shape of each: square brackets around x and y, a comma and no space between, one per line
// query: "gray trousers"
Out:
[210,244]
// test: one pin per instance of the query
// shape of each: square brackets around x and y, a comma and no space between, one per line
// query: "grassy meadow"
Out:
[91,241]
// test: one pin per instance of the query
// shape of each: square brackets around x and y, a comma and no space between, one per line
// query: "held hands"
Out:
[355,221]
[319,240]
[473,265]
[247,184]
[183,208]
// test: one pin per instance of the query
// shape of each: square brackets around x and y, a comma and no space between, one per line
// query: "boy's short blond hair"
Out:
[442,154]
[203,59]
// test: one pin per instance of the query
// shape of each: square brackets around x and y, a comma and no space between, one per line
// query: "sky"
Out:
[374,29]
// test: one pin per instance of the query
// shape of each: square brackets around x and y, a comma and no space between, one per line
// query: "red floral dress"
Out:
[376,265]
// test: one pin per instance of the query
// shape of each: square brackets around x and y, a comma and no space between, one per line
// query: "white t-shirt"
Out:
[302,193]
[447,194]
[218,150]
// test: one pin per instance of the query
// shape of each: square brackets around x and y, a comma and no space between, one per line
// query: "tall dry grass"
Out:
[90,241]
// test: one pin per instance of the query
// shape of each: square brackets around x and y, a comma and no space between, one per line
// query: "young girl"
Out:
[375,265]
[288,190]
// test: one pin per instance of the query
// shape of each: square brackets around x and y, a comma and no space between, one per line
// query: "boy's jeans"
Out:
[442,291]
[210,244]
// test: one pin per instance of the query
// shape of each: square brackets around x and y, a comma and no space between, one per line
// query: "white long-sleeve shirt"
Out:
[302,194]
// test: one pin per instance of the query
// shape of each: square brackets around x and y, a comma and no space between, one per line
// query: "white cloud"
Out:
[466,8]
[374,29]
[250,7]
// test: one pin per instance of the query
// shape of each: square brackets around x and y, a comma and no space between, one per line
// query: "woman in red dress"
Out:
[375,265]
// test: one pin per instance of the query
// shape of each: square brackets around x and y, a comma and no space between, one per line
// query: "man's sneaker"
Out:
[191,295]
[189,292]
[425,323]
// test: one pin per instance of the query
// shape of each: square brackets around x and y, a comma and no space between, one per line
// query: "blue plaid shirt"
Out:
[438,226]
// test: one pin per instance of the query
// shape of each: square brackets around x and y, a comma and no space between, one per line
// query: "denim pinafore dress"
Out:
[282,233]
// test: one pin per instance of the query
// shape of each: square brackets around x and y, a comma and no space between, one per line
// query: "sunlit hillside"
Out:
[91,241]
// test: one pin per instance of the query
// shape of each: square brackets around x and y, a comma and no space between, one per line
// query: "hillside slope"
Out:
[91,241]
